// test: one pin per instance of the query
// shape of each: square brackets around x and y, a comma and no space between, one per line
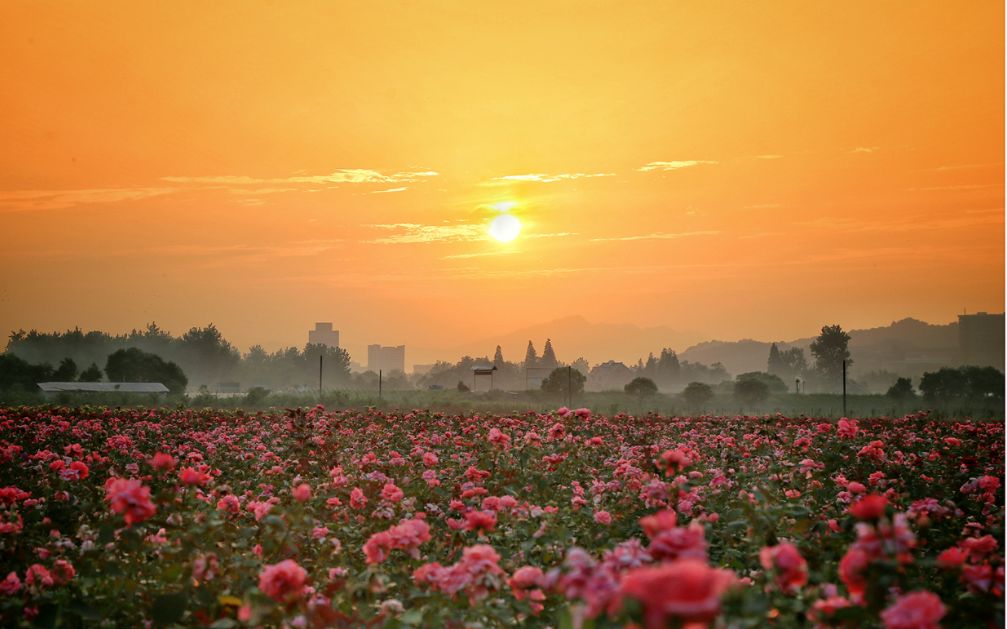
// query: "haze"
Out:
[721,170]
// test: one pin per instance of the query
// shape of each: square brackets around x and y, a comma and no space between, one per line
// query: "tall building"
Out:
[387,359]
[981,339]
[323,334]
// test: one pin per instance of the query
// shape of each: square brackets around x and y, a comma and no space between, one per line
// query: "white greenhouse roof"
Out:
[103,387]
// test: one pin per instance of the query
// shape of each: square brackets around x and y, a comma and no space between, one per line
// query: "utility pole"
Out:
[379,383]
[320,358]
[844,388]
[797,385]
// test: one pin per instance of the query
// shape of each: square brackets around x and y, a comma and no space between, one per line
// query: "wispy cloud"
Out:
[408,233]
[673,165]
[481,254]
[31,200]
[963,186]
[655,236]
[865,149]
[551,178]
[341,176]
[947,167]
[768,156]
[401,189]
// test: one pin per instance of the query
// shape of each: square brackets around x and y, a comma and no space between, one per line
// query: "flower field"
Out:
[318,518]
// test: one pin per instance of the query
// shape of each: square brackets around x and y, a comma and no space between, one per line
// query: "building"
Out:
[50,389]
[386,358]
[323,334]
[609,376]
[981,339]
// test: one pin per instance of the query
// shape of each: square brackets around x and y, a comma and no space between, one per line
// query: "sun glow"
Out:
[505,227]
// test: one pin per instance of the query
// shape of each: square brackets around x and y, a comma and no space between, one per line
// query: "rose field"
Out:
[319,518]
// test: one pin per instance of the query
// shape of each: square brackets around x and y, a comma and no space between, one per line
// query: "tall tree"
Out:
[66,372]
[775,364]
[530,356]
[548,356]
[830,349]
[91,374]
[498,358]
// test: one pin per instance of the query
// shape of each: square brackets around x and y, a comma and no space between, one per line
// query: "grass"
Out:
[500,402]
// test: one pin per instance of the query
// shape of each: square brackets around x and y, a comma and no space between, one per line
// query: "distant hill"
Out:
[575,336]
[907,347]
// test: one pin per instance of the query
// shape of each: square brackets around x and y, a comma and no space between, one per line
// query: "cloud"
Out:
[341,176]
[769,156]
[673,165]
[30,200]
[401,189]
[865,149]
[964,186]
[655,236]
[551,178]
[481,254]
[409,233]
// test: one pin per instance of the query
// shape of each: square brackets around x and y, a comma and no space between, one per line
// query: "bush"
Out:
[902,389]
[563,378]
[751,391]
[256,396]
[641,387]
[697,393]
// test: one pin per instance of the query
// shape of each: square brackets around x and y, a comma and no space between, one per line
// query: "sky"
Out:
[722,169]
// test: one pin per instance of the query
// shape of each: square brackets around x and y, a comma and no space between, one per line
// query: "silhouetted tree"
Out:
[902,389]
[17,372]
[464,388]
[66,372]
[774,364]
[830,349]
[581,365]
[530,356]
[963,383]
[751,391]
[91,374]
[697,393]
[548,356]
[563,379]
[136,365]
[773,383]
[498,358]
[641,386]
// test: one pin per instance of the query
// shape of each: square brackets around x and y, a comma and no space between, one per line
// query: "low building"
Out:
[609,376]
[50,389]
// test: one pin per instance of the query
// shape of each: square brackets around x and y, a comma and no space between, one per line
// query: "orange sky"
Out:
[724,169]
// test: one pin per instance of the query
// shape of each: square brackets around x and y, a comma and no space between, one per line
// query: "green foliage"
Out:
[773,383]
[830,349]
[697,393]
[963,383]
[564,380]
[902,389]
[91,374]
[256,395]
[66,372]
[751,391]
[136,365]
[641,387]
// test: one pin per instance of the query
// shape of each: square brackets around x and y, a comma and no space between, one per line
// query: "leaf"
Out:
[169,608]
[412,617]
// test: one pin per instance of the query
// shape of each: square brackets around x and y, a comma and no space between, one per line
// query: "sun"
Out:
[505,227]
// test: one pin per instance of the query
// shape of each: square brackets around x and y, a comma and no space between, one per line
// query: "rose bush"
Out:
[318,518]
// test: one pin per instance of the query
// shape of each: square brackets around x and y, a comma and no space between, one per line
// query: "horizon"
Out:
[513,352]
[432,177]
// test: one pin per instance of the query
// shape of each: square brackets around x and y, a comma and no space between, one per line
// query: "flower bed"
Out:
[338,518]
